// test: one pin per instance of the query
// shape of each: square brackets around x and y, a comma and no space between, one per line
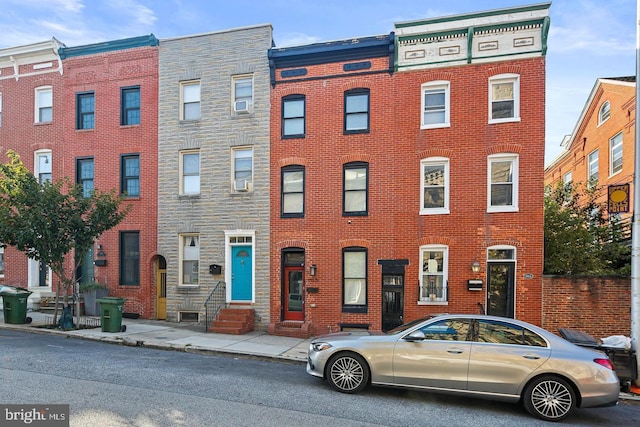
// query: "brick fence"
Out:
[600,306]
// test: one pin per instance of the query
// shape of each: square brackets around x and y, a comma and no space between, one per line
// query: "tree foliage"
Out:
[579,238]
[50,221]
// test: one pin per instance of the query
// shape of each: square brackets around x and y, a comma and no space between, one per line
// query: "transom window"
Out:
[293,116]
[130,175]
[435,104]
[44,104]
[356,111]
[292,191]
[504,98]
[85,172]
[85,110]
[503,183]
[434,197]
[130,106]
[604,113]
[592,172]
[190,259]
[433,279]
[354,282]
[190,172]
[190,94]
[242,169]
[615,154]
[356,183]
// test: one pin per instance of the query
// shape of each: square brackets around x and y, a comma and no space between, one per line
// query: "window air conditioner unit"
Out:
[241,107]
[241,185]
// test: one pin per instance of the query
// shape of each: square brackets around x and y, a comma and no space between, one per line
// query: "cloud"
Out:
[134,11]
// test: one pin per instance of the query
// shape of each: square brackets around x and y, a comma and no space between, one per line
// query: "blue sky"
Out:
[588,38]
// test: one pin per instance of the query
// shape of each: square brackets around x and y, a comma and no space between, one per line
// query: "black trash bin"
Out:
[624,360]
[14,304]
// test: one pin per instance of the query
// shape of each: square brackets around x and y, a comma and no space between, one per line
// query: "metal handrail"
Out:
[216,300]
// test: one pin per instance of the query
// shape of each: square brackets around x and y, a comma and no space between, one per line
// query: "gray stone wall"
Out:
[214,59]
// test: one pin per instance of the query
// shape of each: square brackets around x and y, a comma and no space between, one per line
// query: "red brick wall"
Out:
[599,306]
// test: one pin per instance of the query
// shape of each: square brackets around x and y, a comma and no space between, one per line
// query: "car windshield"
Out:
[402,328]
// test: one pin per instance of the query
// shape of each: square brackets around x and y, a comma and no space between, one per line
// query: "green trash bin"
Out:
[111,314]
[14,304]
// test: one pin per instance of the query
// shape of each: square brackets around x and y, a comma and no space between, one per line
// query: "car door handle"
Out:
[454,350]
[531,356]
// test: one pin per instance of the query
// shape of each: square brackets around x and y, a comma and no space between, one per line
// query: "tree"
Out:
[579,238]
[51,221]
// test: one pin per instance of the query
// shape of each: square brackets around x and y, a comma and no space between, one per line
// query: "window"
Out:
[293,120]
[84,175]
[242,169]
[447,330]
[1,261]
[189,259]
[356,184]
[0,109]
[604,113]
[435,105]
[354,282]
[130,175]
[130,258]
[356,111]
[497,332]
[85,110]
[190,172]
[504,98]
[44,104]
[503,183]
[242,94]
[293,191]
[190,93]
[130,106]
[567,178]
[434,197]
[592,173]
[43,166]
[615,154]
[433,280]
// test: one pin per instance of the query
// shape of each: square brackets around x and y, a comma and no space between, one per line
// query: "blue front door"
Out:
[241,273]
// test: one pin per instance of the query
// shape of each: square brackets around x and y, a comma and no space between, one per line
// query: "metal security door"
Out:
[392,301]
[500,289]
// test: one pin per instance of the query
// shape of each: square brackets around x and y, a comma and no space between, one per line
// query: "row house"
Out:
[94,110]
[213,175]
[600,151]
[407,173]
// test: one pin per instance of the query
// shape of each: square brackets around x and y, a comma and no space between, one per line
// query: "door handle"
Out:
[531,356]
[454,350]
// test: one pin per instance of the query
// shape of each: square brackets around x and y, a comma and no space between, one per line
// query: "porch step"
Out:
[234,321]
[293,329]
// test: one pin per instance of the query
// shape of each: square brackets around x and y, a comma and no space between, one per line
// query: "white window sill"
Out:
[436,126]
[498,209]
[509,120]
[437,211]
[433,302]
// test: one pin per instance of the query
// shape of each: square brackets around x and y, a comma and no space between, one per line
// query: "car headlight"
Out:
[319,346]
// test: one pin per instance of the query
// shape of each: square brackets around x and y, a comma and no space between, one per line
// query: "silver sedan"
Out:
[479,356]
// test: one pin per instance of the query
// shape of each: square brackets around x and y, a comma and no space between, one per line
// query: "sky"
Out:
[588,39]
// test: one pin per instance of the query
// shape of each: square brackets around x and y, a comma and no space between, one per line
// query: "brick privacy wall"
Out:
[393,148]
[19,132]
[105,74]
[214,58]
[600,307]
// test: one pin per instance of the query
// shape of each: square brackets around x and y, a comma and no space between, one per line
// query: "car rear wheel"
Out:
[348,373]
[549,398]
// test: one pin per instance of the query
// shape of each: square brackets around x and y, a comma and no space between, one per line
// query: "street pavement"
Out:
[186,337]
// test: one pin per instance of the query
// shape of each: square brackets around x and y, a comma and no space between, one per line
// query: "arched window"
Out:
[604,113]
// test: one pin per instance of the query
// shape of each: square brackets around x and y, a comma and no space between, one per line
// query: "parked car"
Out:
[473,355]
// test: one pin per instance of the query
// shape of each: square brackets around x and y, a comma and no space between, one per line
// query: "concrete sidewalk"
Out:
[185,337]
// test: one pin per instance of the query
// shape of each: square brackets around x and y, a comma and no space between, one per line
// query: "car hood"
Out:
[342,336]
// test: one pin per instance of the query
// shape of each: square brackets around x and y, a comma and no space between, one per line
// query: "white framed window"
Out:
[242,169]
[189,259]
[0,109]
[604,113]
[242,95]
[504,98]
[190,100]
[502,194]
[615,154]
[43,166]
[1,261]
[435,105]
[567,178]
[44,104]
[190,172]
[592,171]
[434,260]
[354,279]
[434,175]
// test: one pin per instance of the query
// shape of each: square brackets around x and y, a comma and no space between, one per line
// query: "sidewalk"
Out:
[185,337]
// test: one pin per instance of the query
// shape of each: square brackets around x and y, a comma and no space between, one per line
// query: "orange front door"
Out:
[293,293]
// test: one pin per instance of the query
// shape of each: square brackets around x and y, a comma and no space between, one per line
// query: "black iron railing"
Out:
[216,300]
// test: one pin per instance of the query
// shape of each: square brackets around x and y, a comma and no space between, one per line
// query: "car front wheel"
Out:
[549,398]
[348,373]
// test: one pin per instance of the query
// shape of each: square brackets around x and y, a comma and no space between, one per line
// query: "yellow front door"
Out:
[161,303]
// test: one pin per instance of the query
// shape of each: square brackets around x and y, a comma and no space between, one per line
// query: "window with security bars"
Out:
[433,278]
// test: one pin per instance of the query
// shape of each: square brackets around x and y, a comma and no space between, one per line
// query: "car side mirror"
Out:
[415,336]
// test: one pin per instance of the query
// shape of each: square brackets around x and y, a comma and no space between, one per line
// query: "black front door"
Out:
[392,301]
[500,289]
